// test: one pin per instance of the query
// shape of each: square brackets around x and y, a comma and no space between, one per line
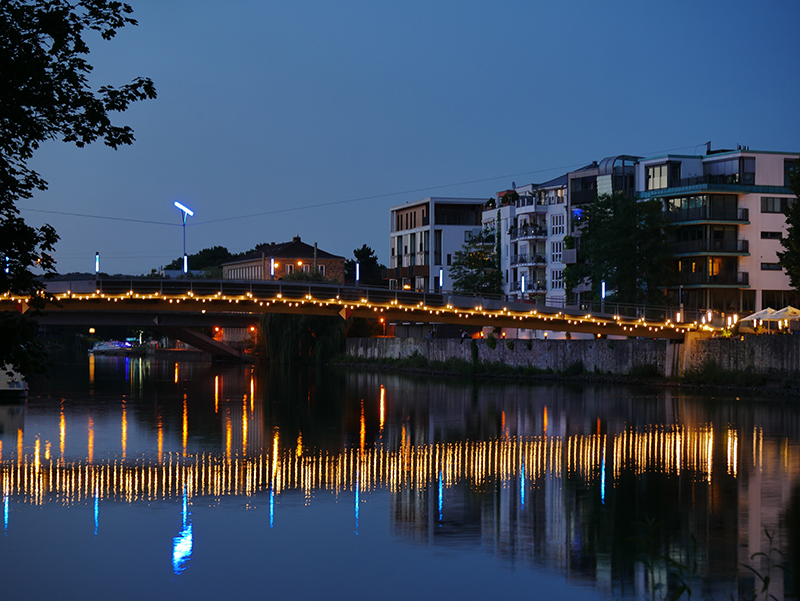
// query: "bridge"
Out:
[177,306]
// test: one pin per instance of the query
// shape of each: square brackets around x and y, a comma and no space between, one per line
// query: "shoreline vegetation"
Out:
[709,377]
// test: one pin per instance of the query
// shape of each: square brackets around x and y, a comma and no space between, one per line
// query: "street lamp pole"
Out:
[185,212]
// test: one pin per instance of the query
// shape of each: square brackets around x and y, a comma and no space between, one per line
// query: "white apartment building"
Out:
[532,230]
[424,237]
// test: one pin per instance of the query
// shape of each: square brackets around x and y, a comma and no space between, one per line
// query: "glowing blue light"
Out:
[182,544]
[186,210]
[96,510]
[522,486]
[272,267]
[441,278]
[185,264]
[97,263]
[603,480]
[358,272]
[523,285]
[271,507]
[441,502]
[357,491]
[603,289]
[5,513]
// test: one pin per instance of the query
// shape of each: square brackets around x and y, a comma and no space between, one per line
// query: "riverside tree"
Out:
[789,259]
[370,270]
[45,95]
[476,267]
[624,243]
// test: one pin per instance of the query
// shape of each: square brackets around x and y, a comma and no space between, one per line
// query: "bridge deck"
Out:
[222,302]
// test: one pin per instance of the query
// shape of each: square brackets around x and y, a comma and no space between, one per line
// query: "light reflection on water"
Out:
[555,477]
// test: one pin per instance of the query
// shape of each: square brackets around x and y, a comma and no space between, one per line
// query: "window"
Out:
[771,267]
[775,204]
[657,177]
[467,236]
[306,268]
[555,251]
[449,259]
[557,225]
[321,270]
[771,235]
[789,167]
[289,268]
[557,279]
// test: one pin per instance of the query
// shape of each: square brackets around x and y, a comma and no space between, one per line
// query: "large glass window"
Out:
[657,177]
[775,204]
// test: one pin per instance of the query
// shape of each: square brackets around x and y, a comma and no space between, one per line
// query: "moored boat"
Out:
[12,386]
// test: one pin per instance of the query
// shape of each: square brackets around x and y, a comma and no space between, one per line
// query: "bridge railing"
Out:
[322,291]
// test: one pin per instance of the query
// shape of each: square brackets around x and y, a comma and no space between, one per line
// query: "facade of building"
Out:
[727,210]
[424,237]
[275,261]
[532,230]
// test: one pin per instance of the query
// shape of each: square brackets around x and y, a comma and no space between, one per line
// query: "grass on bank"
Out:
[709,374]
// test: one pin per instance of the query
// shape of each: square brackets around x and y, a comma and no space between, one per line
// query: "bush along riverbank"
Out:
[708,376]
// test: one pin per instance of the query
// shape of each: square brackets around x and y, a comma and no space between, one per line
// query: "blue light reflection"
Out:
[96,510]
[271,507]
[357,491]
[440,498]
[182,544]
[522,486]
[5,513]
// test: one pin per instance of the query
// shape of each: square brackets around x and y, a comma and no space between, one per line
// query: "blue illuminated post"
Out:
[96,264]
[272,268]
[441,279]
[603,296]
[185,212]
[522,284]
[358,271]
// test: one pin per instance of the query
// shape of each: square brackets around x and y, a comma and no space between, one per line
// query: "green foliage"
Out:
[528,345]
[574,369]
[624,243]
[207,259]
[491,341]
[510,345]
[789,259]
[476,267]
[370,271]
[293,339]
[710,373]
[45,95]
[473,351]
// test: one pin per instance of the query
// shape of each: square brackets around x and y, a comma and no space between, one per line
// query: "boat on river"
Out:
[13,387]
[115,347]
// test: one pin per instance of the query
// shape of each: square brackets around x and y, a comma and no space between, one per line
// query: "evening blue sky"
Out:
[266,109]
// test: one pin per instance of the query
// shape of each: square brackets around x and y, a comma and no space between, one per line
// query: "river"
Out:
[134,478]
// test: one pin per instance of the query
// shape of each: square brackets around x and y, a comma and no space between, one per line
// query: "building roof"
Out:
[296,249]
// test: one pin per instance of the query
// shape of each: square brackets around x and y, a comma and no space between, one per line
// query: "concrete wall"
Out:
[768,355]
[615,356]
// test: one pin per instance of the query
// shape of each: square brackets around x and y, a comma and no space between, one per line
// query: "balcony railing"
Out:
[686,247]
[524,232]
[708,214]
[539,285]
[723,278]
[528,259]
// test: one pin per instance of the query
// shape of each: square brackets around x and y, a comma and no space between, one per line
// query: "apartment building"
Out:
[727,210]
[533,222]
[424,237]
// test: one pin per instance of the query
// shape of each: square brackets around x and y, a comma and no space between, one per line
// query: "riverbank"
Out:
[757,364]
[711,378]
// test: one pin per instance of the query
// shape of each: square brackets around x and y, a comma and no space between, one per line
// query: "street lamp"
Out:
[185,212]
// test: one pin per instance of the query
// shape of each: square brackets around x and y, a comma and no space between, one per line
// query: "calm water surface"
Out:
[151,479]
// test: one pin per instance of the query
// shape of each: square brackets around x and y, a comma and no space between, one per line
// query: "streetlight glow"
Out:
[185,212]
[184,209]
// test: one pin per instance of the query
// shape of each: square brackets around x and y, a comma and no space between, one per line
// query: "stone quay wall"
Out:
[614,356]
[766,355]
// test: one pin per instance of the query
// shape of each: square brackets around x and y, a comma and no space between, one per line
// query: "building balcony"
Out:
[537,287]
[739,279]
[528,259]
[715,214]
[527,232]
[714,247]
